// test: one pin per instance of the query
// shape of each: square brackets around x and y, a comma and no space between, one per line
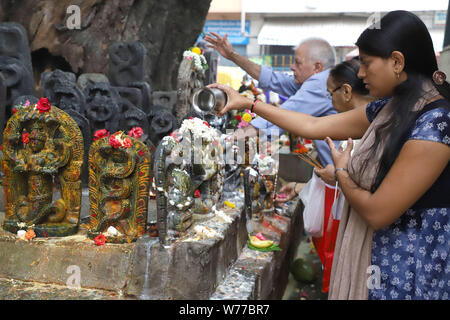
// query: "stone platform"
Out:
[217,267]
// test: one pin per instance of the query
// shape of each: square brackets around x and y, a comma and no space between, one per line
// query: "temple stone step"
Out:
[264,275]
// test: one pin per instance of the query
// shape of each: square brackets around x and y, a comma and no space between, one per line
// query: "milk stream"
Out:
[145,292]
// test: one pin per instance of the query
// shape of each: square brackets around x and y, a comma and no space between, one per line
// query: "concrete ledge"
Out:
[103,267]
[189,268]
[264,275]
[220,267]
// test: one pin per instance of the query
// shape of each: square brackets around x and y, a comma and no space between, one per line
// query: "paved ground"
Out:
[20,290]
[296,290]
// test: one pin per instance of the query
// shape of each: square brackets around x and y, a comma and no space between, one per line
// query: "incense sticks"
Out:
[307,158]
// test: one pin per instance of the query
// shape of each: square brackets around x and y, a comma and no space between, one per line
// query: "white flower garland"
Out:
[199,59]
[199,129]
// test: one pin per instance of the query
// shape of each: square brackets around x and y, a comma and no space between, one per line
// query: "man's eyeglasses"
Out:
[330,94]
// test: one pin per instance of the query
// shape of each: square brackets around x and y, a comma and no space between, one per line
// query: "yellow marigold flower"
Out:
[247,117]
[196,50]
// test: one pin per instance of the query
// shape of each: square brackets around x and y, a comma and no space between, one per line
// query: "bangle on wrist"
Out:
[253,105]
[338,169]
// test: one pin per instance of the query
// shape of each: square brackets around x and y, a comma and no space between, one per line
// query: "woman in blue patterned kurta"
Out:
[412,253]
[397,182]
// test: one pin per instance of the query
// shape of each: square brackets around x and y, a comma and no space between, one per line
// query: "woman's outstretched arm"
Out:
[337,126]
[411,175]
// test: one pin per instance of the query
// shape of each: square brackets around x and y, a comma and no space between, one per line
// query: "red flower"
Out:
[100,240]
[141,153]
[0,148]
[43,105]
[99,134]
[175,135]
[114,142]
[14,110]
[260,236]
[307,141]
[238,117]
[25,137]
[197,193]
[136,132]
[127,143]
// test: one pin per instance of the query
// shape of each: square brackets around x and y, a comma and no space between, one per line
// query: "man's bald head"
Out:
[312,56]
[319,50]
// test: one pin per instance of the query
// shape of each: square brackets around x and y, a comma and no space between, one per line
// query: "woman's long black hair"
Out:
[347,72]
[401,31]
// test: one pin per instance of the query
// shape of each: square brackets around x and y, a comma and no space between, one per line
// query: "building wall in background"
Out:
[260,13]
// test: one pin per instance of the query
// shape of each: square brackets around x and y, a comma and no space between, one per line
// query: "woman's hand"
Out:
[340,157]
[326,174]
[235,101]
[290,190]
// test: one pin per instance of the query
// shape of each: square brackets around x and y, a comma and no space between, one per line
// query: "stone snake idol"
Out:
[42,144]
[119,177]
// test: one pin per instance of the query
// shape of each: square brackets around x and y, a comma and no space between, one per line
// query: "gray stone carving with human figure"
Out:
[166,99]
[50,79]
[162,123]
[127,61]
[15,63]
[102,106]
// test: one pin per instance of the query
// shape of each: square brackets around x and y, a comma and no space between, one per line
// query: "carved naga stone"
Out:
[119,175]
[188,164]
[191,76]
[260,187]
[42,144]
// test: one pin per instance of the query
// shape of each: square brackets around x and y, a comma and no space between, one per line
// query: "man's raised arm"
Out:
[224,47]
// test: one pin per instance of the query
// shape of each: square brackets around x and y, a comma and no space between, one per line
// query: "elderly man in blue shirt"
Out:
[306,89]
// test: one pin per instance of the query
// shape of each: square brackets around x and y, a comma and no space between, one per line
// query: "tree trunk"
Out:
[166,28]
